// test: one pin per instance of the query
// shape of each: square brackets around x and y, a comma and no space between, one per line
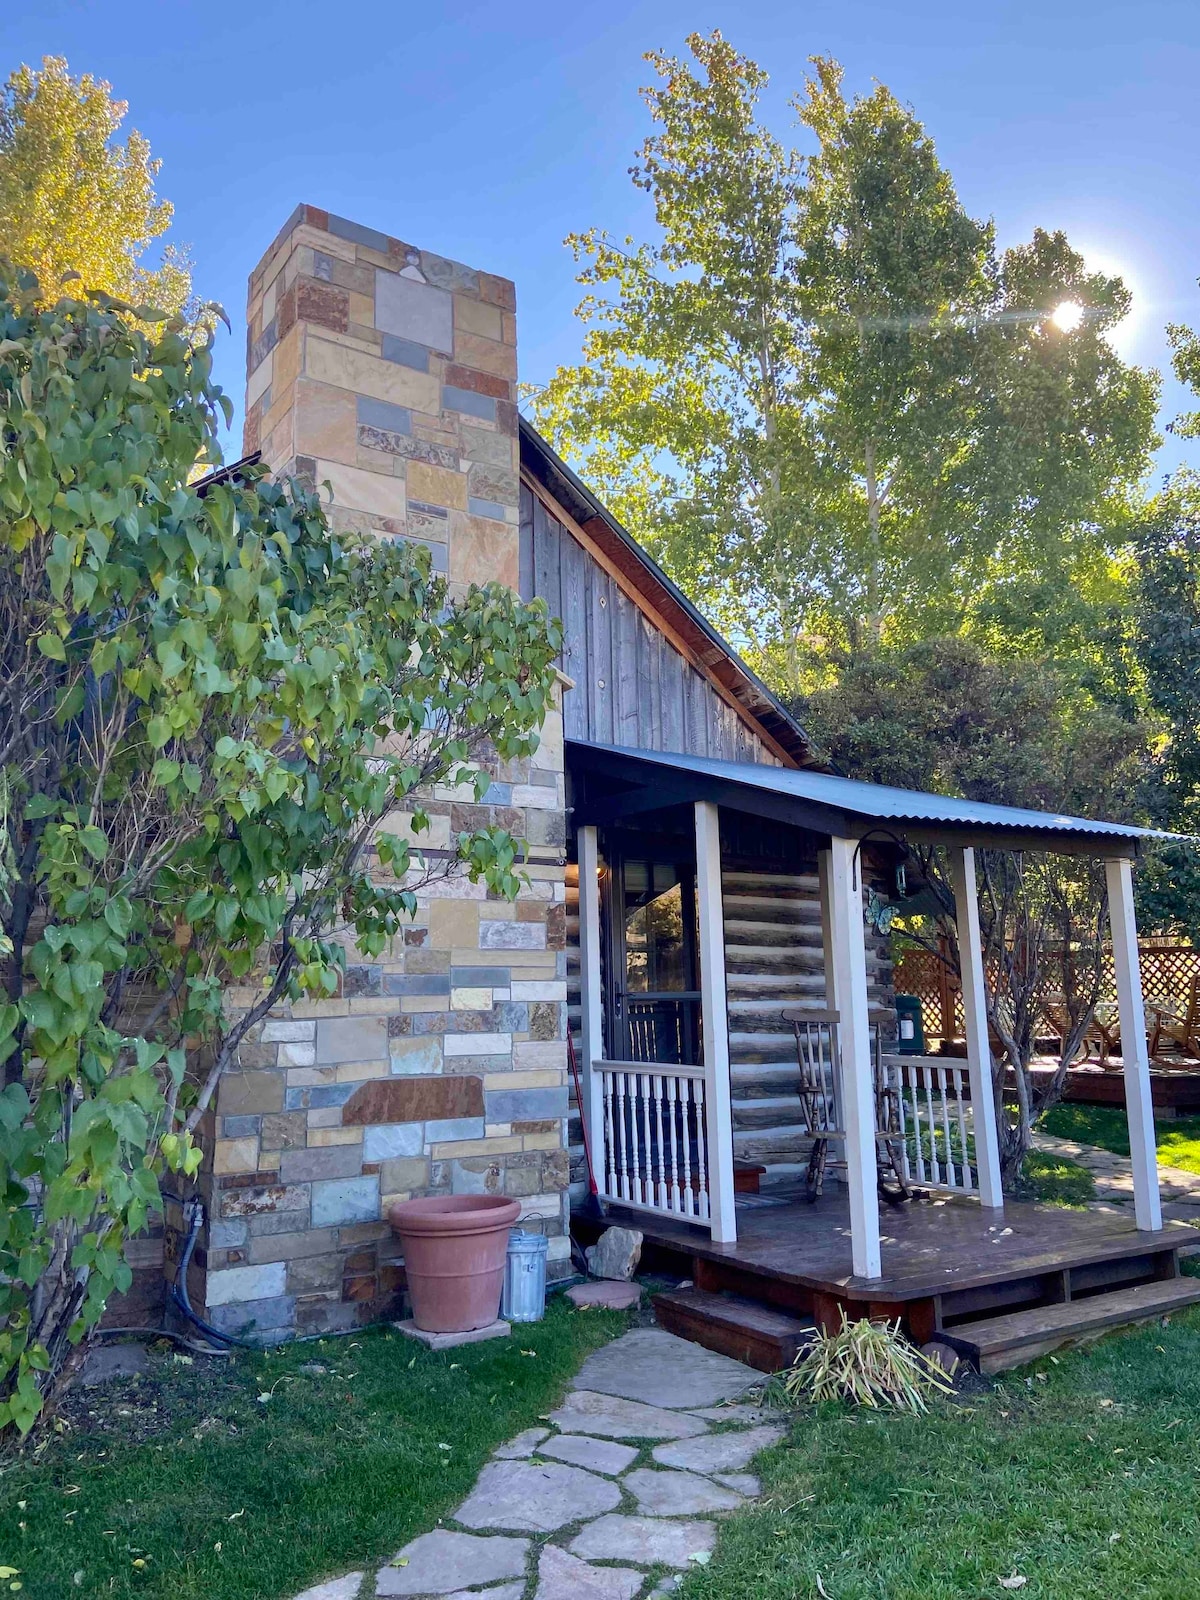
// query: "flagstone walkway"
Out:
[1180,1190]
[622,1481]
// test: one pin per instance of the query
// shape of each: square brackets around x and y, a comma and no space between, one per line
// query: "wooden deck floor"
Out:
[929,1248]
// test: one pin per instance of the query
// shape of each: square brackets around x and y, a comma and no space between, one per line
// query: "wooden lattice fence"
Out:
[1168,971]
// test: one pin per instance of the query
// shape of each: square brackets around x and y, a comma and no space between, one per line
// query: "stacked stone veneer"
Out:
[390,374]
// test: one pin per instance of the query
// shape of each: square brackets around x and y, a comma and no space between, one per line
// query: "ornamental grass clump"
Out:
[869,1364]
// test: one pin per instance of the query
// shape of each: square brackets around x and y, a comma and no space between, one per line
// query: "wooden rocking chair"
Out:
[819,1058]
[1170,1029]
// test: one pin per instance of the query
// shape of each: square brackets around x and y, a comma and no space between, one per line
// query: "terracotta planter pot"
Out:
[454,1253]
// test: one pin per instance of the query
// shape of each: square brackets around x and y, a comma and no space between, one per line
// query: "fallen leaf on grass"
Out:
[1015,1581]
[700,1557]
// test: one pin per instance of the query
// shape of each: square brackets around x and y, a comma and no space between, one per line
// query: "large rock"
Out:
[656,1367]
[565,1577]
[678,1494]
[443,1562]
[608,1417]
[615,1254]
[646,1541]
[535,1496]
[718,1452]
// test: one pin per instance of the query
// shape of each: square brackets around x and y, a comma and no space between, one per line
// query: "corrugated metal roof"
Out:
[872,802]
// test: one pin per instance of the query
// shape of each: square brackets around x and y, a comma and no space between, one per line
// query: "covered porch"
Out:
[655,1053]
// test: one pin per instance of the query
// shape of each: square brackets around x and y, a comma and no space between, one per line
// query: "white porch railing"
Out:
[654,1140]
[926,1103]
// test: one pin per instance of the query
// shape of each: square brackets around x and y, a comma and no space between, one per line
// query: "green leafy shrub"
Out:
[210,707]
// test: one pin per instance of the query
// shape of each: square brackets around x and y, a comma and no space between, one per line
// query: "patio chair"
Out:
[1102,1034]
[1168,1028]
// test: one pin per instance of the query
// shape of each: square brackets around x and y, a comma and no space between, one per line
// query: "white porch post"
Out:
[1139,1108]
[591,1029]
[714,1011]
[848,940]
[979,1049]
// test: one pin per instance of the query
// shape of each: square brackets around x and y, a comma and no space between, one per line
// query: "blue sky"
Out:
[487,132]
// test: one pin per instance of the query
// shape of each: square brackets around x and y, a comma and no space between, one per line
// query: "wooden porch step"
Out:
[997,1343]
[758,1335]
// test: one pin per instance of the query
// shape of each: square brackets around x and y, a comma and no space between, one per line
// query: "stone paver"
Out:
[523,1445]
[611,1418]
[443,1562]
[717,1452]
[566,1577]
[646,1541]
[646,1386]
[742,1416]
[657,1368]
[743,1483]
[1180,1190]
[609,1295]
[104,1362]
[678,1494]
[503,1591]
[535,1497]
[343,1588]
[596,1455]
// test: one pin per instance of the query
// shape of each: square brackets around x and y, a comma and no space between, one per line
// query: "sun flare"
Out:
[1068,316]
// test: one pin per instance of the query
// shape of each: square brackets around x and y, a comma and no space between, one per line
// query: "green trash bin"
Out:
[911,1034]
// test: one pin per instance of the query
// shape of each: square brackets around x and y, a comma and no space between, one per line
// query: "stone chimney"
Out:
[390,373]
[440,1067]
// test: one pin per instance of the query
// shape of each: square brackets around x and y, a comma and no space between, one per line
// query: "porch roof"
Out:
[620,783]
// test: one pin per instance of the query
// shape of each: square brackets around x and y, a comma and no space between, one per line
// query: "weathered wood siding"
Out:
[632,686]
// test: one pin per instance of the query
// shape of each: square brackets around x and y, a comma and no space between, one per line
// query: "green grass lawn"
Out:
[1057,1179]
[1178,1142]
[1079,1476]
[221,1495]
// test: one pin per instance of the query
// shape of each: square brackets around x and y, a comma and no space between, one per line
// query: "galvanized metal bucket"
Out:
[524,1297]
